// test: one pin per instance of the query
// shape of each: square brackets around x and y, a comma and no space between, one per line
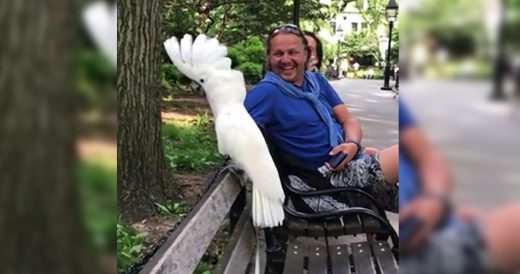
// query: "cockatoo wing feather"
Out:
[242,140]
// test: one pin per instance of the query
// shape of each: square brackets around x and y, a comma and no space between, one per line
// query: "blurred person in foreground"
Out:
[437,238]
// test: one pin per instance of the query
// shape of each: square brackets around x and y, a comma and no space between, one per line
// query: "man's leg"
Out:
[501,229]
[389,160]
[376,172]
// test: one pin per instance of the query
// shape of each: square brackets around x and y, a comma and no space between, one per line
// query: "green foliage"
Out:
[374,14]
[456,26]
[363,47]
[248,57]
[252,72]
[190,145]
[95,79]
[233,21]
[172,80]
[98,192]
[129,245]
[249,50]
[172,208]
[203,268]
[170,73]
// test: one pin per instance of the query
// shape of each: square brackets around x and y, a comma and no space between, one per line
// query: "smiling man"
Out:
[310,124]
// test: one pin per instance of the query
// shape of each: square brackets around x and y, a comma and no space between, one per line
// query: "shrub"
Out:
[252,72]
[248,57]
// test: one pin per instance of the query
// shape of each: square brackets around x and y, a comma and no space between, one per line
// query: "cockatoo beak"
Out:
[196,88]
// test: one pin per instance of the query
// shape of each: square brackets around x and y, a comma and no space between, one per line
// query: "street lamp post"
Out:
[391,14]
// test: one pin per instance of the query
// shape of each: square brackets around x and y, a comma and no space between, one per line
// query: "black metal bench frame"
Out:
[379,256]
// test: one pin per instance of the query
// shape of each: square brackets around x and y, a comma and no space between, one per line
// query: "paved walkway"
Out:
[376,110]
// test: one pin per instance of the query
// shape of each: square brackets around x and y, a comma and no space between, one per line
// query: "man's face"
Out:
[287,57]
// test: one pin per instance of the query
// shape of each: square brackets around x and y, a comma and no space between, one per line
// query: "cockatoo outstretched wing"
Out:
[101,22]
[204,61]
[241,139]
[196,58]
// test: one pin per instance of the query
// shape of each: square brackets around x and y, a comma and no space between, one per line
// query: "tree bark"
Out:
[141,166]
[40,220]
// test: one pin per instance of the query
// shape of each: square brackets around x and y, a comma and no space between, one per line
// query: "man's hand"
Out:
[429,211]
[350,149]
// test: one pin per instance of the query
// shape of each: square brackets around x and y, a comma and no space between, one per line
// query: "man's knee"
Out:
[501,235]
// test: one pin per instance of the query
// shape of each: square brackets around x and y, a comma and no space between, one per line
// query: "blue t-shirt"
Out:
[292,122]
[408,177]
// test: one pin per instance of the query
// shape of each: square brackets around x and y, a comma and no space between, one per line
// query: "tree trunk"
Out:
[40,220]
[141,166]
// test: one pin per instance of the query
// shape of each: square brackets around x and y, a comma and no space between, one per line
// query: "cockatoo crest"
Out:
[196,59]
[101,22]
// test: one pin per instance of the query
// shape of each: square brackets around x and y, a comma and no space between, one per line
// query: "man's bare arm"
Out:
[350,124]
[433,170]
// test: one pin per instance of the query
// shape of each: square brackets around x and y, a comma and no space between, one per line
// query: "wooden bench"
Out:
[184,248]
[316,247]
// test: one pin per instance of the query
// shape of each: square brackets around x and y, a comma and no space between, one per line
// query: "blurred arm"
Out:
[433,170]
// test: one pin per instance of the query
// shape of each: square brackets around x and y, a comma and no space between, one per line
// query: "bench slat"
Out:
[339,259]
[317,259]
[240,248]
[294,258]
[362,258]
[183,249]
[385,258]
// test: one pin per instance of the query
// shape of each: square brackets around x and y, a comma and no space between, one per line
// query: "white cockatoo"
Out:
[101,21]
[204,61]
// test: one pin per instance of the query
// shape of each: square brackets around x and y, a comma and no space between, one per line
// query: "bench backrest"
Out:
[185,247]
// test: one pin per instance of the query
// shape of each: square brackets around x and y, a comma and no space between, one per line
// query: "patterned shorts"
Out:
[364,172]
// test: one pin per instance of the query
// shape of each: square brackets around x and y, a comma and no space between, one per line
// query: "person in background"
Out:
[356,69]
[316,51]
[437,238]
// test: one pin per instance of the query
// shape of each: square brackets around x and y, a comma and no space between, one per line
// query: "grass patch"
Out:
[172,207]
[190,145]
[98,192]
[129,246]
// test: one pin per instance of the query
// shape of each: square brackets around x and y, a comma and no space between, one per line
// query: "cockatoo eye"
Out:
[202,80]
